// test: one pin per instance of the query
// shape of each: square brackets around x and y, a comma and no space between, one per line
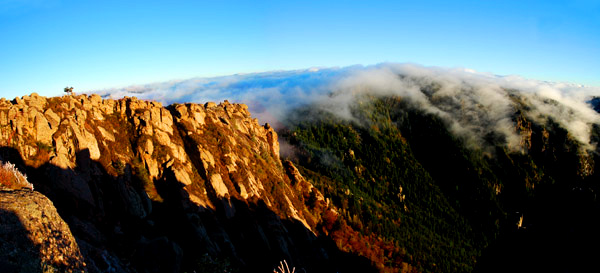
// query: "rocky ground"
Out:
[33,237]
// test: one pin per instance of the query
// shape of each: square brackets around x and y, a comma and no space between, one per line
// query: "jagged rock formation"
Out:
[137,181]
[33,237]
[54,131]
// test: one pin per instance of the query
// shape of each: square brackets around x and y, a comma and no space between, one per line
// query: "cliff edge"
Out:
[150,188]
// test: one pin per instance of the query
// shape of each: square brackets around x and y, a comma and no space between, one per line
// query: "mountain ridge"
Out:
[384,184]
[119,171]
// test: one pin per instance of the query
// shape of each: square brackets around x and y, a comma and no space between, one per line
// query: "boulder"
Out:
[182,176]
[106,134]
[217,184]
[52,118]
[86,140]
[96,100]
[33,236]
[42,129]
[207,158]
[36,101]
[272,141]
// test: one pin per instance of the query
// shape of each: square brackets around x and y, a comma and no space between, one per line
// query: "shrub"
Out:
[119,167]
[11,178]
[208,264]
[44,147]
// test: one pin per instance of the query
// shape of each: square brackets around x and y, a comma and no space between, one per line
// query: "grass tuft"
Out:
[284,269]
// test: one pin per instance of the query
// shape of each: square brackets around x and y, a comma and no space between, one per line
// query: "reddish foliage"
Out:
[384,254]
[11,178]
[329,219]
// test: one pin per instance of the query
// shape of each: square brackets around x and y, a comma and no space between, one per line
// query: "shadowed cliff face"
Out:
[159,189]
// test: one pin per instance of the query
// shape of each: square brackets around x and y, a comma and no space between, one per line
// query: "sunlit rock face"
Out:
[186,180]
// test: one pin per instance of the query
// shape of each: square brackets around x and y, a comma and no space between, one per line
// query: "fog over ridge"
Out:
[473,103]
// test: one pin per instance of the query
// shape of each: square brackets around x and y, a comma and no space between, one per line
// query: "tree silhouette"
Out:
[69,90]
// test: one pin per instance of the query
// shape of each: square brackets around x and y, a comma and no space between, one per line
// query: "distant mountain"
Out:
[595,102]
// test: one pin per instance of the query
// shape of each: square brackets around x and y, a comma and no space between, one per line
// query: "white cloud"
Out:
[473,103]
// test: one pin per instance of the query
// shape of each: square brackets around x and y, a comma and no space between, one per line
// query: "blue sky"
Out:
[93,45]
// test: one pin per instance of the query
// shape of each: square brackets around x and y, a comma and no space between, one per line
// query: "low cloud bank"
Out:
[473,103]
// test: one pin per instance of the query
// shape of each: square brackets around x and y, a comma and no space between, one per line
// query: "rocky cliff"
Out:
[148,188]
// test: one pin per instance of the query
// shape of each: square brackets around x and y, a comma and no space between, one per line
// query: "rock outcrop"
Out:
[134,178]
[33,237]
